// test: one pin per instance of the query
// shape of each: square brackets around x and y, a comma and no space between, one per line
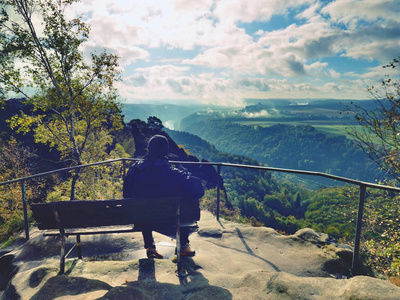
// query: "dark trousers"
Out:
[149,241]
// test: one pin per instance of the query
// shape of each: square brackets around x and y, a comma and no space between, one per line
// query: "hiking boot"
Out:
[186,250]
[153,253]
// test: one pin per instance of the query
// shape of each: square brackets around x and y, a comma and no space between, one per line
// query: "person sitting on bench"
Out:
[155,177]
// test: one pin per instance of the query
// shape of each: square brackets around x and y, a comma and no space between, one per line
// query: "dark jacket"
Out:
[157,178]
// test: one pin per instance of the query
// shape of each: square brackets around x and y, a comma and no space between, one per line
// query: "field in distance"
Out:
[327,126]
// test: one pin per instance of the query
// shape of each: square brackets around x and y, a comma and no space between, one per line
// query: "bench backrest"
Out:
[95,213]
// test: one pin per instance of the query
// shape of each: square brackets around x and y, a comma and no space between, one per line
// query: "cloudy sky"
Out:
[224,51]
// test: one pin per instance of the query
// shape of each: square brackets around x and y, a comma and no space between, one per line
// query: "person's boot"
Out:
[186,250]
[153,253]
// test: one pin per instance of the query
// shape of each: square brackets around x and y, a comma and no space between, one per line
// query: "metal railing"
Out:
[362,185]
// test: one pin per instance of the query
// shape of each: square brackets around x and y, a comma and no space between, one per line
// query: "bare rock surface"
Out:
[233,261]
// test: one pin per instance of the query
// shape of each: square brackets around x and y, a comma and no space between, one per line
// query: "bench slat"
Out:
[109,230]
[95,213]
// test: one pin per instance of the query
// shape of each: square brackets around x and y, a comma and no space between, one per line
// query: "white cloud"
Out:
[226,63]
[162,70]
[258,84]
[333,73]
[350,12]
[310,12]
[375,42]
[263,113]
[109,31]
[217,57]
[249,11]
[375,74]
[312,40]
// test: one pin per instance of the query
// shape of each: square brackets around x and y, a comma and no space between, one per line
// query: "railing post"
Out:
[218,192]
[25,208]
[358,227]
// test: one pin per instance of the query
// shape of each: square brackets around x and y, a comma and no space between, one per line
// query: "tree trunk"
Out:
[73,183]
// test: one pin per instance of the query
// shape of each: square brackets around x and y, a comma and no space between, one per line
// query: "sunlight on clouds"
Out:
[249,11]
[376,74]
[220,62]
[352,12]
[310,12]
[378,42]
[162,70]
[128,55]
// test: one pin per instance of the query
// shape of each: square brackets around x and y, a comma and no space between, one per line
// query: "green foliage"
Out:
[333,210]
[378,133]
[258,195]
[383,256]
[154,124]
[15,161]
[129,146]
[381,233]
[13,225]
[74,102]
[209,203]
[104,182]
[95,183]
[378,136]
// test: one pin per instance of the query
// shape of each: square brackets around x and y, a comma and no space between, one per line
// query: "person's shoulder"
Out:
[132,169]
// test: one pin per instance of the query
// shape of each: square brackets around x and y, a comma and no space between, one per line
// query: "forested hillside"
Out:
[274,202]
[255,195]
[287,146]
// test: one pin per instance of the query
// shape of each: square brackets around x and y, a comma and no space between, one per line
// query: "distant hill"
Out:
[327,112]
[286,146]
[338,104]
[169,114]
[287,133]
[255,109]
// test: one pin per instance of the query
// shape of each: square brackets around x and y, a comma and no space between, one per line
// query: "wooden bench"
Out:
[73,218]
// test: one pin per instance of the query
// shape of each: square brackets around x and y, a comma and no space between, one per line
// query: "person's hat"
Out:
[158,146]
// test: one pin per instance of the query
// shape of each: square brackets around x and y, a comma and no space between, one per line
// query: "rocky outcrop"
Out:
[233,261]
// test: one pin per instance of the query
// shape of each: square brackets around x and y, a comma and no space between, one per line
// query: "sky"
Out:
[224,51]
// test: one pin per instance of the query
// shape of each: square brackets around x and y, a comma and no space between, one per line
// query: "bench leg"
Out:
[78,246]
[62,234]
[62,255]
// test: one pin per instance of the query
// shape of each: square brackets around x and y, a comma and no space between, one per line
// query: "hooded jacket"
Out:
[155,177]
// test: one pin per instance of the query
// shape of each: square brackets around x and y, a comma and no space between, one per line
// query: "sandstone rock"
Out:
[310,235]
[233,261]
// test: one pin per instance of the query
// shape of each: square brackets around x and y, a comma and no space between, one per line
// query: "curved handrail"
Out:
[283,170]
